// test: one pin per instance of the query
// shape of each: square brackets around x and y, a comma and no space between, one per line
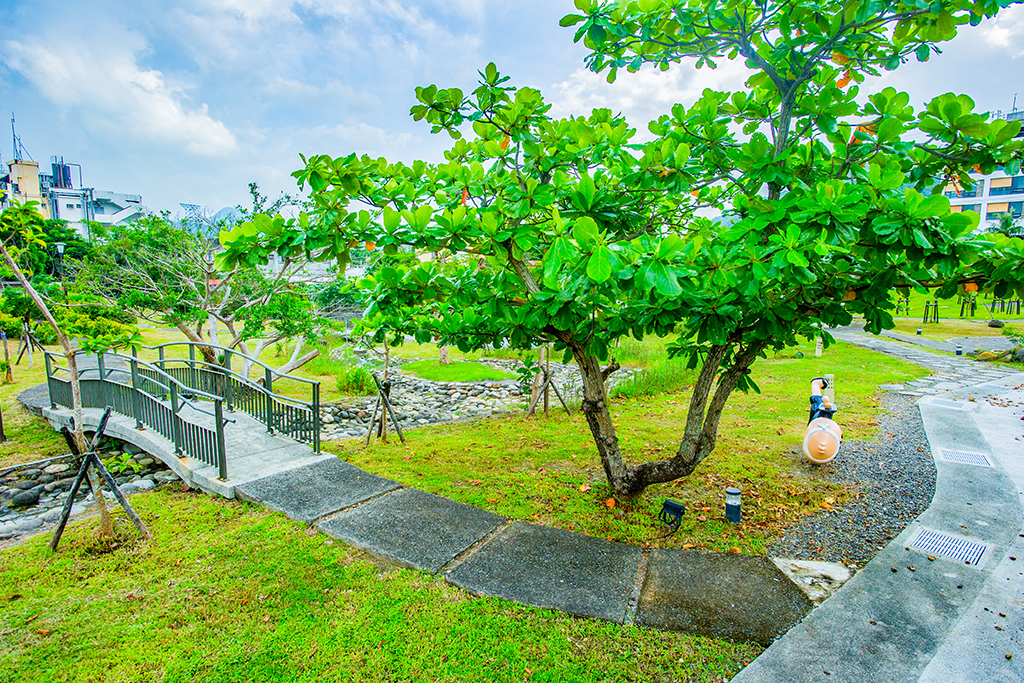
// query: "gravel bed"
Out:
[896,480]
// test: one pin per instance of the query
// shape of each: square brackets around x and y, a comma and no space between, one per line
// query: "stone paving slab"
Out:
[310,492]
[737,597]
[412,528]
[545,567]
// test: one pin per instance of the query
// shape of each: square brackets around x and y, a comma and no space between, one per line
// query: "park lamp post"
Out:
[60,265]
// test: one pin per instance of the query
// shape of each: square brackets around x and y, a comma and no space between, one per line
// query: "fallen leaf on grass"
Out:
[701,518]
[687,546]
[734,551]
[266,619]
[585,488]
[825,506]
[14,597]
[7,632]
[31,619]
[43,632]
[610,503]
[474,482]
[492,501]
[406,457]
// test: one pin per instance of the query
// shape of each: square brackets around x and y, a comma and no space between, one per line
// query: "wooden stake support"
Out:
[91,460]
[548,382]
[383,398]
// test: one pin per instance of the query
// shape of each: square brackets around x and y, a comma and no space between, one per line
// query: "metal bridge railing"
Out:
[141,394]
[294,417]
[142,391]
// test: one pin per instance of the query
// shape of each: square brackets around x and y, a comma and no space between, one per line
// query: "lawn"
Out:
[546,470]
[456,371]
[948,329]
[227,592]
[949,309]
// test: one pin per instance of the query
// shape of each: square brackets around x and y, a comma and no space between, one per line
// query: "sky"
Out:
[188,101]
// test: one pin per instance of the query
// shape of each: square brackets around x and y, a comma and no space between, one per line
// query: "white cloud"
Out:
[646,94]
[104,85]
[1006,31]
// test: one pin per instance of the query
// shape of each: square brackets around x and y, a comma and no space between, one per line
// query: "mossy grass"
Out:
[455,371]
[227,592]
[547,471]
[948,329]
[949,309]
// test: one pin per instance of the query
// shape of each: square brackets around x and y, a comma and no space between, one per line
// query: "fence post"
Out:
[175,420]
[222,456]
[227,381]
[316,418]
[136,399]
[192,379]
[101,368]
[268,385]
[49,382]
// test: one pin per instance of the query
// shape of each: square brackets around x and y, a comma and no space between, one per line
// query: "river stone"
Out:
[24,484]
[996,323]
[719,595]
[546,567]
[412,528]
[26,498]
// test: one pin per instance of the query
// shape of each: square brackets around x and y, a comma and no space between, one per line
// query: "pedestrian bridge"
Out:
[212,424]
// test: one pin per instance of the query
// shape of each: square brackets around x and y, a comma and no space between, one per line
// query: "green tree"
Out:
[21,231]
[570,230]
[165,273]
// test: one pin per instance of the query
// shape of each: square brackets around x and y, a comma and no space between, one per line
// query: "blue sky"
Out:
[190,100]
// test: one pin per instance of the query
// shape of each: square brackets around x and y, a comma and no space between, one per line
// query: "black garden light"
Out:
[672,513]
[732,505]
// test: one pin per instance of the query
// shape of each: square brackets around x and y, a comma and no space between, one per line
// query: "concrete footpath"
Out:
[944,601]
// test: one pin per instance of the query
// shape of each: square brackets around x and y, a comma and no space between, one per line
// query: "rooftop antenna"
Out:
[1014,101]
[19,149]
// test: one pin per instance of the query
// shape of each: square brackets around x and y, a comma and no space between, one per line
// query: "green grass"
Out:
[456,371]
[226,592]
[947,329]
[949,309]
[547,471]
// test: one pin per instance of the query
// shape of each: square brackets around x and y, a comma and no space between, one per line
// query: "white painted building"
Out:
[993,194]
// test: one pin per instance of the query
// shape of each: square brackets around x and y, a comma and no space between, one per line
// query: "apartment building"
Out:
[994,194]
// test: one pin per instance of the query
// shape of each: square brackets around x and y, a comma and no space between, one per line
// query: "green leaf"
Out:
[585,232]
[599,267]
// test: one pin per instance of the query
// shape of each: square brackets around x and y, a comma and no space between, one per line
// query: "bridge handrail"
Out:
[235,352]
[185,436]
[228,371]
[54,366]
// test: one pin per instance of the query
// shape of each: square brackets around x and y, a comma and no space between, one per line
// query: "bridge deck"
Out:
[252,453]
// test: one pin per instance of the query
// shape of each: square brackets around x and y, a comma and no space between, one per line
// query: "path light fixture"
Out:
[59,246]
[919,331]
[732,505]
[672,514]
[959,350]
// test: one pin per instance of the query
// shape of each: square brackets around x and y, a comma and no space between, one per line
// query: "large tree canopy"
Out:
[574,231]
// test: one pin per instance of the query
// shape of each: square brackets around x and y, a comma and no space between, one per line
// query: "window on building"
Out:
[70,206]
[965,207]
[1002,186]
[998,208]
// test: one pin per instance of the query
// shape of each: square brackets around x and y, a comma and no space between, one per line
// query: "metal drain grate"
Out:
[949,547]
[964,457]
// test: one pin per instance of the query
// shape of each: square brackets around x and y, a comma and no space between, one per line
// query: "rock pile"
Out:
[420,402]
[34,496]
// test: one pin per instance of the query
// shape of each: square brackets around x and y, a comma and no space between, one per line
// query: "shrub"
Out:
[356,380]
[666,376]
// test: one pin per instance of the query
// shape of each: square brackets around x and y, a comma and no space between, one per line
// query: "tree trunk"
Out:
[208,355]
[106,522]
[442,356]
[599,420]
[701,429]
